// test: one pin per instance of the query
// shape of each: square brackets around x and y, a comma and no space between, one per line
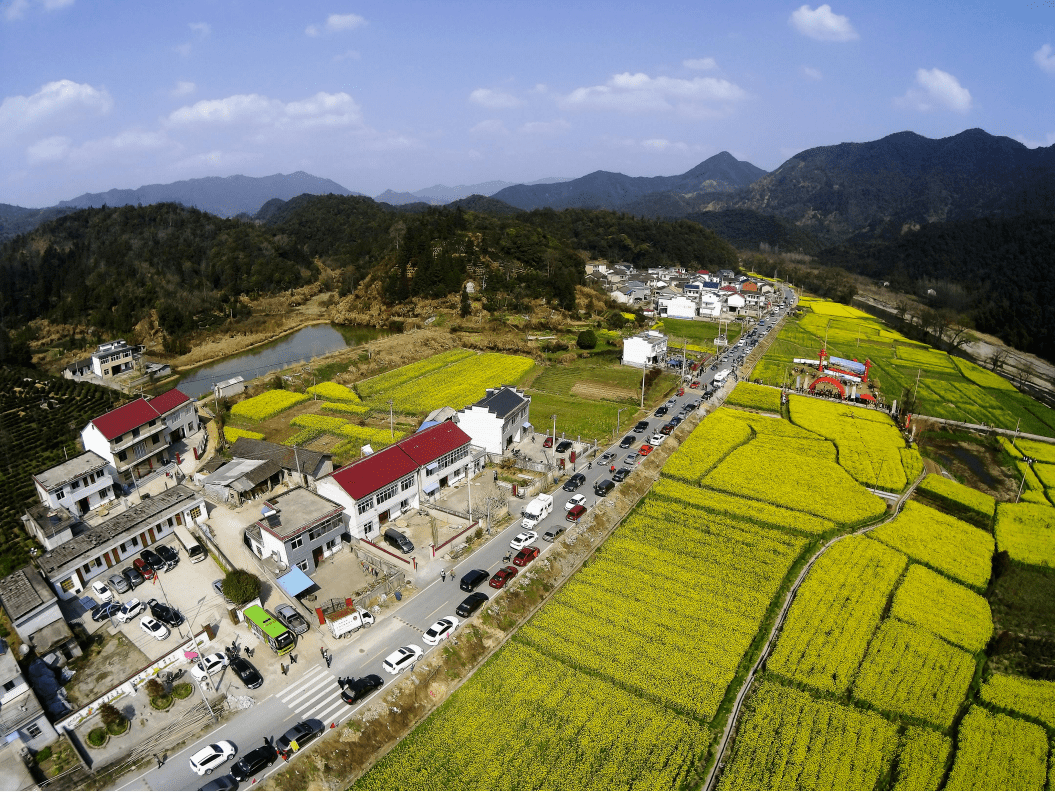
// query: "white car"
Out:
[210,757]
[129,611]
[440,630]
[102,591]
[523,539]
[154,628]
[209,665]
[403,658]
[573,501]
[656,439]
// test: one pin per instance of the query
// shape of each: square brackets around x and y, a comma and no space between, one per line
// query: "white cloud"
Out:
[200,29]
[656,144]
[492,127]
[183,88]
[541,128]
[1049,140]
[936,89]
[639,93]
[16,9]
[320,110]
[821,24]
[48,150]
[121,147]
[813,74]
[349,55]
[496,100]
[336,23]
[540,88]
[702,64]
[1045,59]
[55,102]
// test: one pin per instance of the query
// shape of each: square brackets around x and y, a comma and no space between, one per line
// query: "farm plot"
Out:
[701,334]
[755,397]
[1042,452]
[333,391]
[232,433]
[981,376]
[910,672]
[789,740]
[941,542]
[834,614]
[267,405]
[944,608]
[769,426]
[960,500]
[559,729]
[1027,532]
[1033,698]
[808,484]
[392,379]
[922,758]
[575,417]
[707,445]
[998,752]
[705,582]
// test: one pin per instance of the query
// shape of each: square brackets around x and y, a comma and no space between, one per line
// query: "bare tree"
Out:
[998,360]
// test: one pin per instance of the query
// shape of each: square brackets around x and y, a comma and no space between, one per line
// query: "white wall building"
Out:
[645,349]
[78,485]
[680,308]
[498,420]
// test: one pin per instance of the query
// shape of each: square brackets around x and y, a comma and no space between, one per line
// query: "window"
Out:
[195,513]
[122,455]
[135,432]
[365,505]
[9,685]
[298,542]
[331,544]
[60,494]
[303,565]
[33,730]
[386,494]
[368,527]
[75,485]
[404,504]
[67,584]
[170,522]
[406,483]
[122,547]
[135,541]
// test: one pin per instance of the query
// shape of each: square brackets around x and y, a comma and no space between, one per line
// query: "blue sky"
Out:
[403,95]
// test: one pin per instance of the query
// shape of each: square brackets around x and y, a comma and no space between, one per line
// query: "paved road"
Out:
[312,691]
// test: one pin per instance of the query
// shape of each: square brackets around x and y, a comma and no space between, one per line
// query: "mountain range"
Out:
[441,194]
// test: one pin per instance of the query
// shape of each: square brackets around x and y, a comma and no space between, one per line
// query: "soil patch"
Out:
[107,663]
[600,390]
[972,459]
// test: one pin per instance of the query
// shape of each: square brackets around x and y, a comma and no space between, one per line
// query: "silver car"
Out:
[288,615]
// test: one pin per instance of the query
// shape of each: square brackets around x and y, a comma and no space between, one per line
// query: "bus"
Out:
[269,630]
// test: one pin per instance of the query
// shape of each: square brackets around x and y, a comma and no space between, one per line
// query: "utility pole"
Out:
[1016,427]
[618,415]
[643,370]
[391,420]
[916,388]
[554,435]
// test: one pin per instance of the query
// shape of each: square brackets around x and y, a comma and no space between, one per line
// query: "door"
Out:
[316,556]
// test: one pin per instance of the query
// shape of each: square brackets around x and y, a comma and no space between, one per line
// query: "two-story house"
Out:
[21,716]
[298,529]
[113,358]
[34,612]
[498,420]
[645,349]
[78,485]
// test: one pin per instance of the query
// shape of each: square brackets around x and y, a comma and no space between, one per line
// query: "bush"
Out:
[97,736]
[182,690]
[154,688]
[43,755]
[587,340]
[615,320]
[110,716]
[162,702]
[240,586]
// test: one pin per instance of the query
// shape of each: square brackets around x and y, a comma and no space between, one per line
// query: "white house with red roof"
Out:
[135,438]
[382,486]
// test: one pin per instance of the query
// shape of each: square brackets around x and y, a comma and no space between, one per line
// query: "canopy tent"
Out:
[431,487]
[295,582]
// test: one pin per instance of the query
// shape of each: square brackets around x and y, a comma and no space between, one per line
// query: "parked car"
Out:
[118,583]
[288,615]
[129,611]
[563,446]
[299,735]
[606,456]
[402,659]
[471,604]
[526,556]
[656,439]
[196,553]
[574,514]
[627,441]
[225,783]
[355,690]
[102,591]
[247,675]
[676,420]
[253,762]
[574,500]
[667,429]
[473,578]
[105,611]
[645,450]
[574,482]
[442,629]
[143,568]
[204,761]
[640,427]
[165,613]
[153,560]
[621,474]
[154,628]
[523,539]
[630,459]
[209,665]
[661,411]
[552,534]
[681,391]
[132,577]
[168,555]
[502,576]
[603,487]
[548,442]
[217,586]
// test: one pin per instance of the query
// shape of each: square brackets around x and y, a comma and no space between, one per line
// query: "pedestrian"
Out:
[443,575]
[285,668]
[159,760]
[329,659]
[322,651]
[250,651]
[292,659]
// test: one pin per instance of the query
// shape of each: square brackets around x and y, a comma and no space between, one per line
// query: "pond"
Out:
[298,347]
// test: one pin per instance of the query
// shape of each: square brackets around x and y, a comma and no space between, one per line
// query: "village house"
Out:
[498,420]
[645,349]
[78,485]
[34,612]
[300,467]
[297,529]
[21,716]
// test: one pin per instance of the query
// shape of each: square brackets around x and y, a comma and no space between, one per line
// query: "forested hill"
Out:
[997,271]
[110,268]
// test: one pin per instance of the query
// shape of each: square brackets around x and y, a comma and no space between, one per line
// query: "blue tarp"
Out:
[428,425]
[295,581]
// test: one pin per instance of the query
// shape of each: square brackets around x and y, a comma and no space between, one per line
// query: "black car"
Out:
[627,441]
[105,611]
[621,474]
[301,734]
[667,428]
[165,613]
[562,446]
[473,578]
[248,675]
[254,761]
[225,783]
[132,576]
[471,604]
[153,560]
[168,555]
[661,411]
[574,482]
[677,419]
[353,690]
[642,426]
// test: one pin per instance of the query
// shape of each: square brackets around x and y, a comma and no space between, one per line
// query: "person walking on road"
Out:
[329,659]
[443,575]
[292,659]
[159,760]
[285,668]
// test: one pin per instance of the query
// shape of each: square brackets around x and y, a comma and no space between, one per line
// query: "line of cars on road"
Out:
[207,759]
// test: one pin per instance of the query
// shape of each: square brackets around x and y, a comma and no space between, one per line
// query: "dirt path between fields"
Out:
[730,726]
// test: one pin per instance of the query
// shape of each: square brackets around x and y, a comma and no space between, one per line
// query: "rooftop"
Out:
[124,419]
[107,532]
[23,591]
[168,401]
[429,445]
[371,473]
[502,401]
[247,448]
[71,469]
[297,510]
[51,521]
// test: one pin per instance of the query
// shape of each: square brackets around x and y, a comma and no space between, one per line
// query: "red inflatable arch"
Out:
[830,381]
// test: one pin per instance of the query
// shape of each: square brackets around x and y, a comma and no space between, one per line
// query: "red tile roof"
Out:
[368,475]
[167,401]
[429,445]
[124,419]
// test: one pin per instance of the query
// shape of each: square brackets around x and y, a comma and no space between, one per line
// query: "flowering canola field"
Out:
[708,445]
[944,608]
[390,379]
[955,496]
[267,404]
[755,397]
[922,758]
[995,751]
[1027,532]
[1034,698]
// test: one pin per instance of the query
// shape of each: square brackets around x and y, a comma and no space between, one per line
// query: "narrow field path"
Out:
[779,624]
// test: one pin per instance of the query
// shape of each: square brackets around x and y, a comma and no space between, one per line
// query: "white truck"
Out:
[538,510]
[348,620]
[722,376]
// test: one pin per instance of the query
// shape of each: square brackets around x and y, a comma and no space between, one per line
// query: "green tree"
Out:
[110,715]
[240,586]
[587,339]
[615,320]
[466,306]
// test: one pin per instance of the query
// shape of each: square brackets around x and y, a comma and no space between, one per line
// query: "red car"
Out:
[547,443]
[694,384]
[526,556]
[575,512]
[143,568]
[645,450]
[681,391]
[502,576]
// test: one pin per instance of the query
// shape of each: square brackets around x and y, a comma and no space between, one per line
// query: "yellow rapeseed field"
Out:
[995,751]
[1027,532]
[922,758]
[1034,698]
[947,609]
[267,404]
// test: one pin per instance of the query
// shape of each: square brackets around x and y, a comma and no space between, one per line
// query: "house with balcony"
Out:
[113,358]
[177,411]
[78,485]
[498,420]
[645,349]
[297,529]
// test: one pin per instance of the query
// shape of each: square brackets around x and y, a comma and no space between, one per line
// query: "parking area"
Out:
[533,449]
